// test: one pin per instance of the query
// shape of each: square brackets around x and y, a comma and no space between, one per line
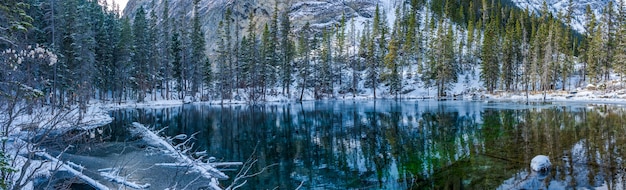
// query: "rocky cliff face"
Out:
[318,13]
[555,6]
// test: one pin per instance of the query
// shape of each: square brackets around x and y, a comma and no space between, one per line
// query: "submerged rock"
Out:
[540,163]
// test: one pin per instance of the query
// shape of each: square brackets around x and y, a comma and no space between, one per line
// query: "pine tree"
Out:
[620,52]
[548,69]
[596,54]
[340,59]
[589,32]
[198,59]
[153,71]
[141,53]
[123,63]
[222,64]
[207,76]
[325,68]
[391,59]
[229,70]
[490,64]
[287,50]
[509,54]
[266,68]
[249,67]
[566,46]
[372,64]
[177,62]
[304,50]
[165,40]
[410,40]
[609,46]
[354,60]
[84,45]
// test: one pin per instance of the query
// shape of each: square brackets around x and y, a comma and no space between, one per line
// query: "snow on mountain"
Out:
[560,6]
[318,13]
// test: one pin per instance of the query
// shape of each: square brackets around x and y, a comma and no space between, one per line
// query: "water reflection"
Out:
[406,145]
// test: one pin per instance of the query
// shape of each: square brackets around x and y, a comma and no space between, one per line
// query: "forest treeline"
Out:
[70,52]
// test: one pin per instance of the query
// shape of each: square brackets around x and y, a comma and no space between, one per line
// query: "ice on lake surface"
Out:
[381,144]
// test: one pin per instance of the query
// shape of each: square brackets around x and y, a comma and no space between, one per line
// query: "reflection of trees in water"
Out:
[391,145]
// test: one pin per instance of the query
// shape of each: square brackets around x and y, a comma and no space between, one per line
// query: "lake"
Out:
[380,144]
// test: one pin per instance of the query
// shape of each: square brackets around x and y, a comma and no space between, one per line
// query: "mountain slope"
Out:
[319,13]
[560,6]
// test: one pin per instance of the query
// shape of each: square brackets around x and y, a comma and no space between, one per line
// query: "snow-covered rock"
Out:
[540,163]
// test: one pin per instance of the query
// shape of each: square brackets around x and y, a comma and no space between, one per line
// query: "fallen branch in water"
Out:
[95,184]
[205,170]
[113,176]
[241,177]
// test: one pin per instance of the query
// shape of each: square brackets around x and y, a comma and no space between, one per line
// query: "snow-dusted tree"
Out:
[324,79]
[354,60]
[106,37]
[510,51]
[490,65]
[266,67]
[609,38]
[165,39]
[176,54]
[229,71]
[596,54]
[340,53]
[391,62]
[567,47]
[123,62]
[441,70]
[223,83]
[304,50]
[249,60]
[589,32]
[141,53]
[620,53]
[198,55]
[153,71]
[287,51]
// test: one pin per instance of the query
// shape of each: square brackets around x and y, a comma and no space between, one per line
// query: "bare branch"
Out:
[301,184]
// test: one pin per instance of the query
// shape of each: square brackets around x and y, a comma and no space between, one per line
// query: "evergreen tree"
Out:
[566,47]
[123,63]
[609,35]
[141,53]
[509,54]
[391,59]
[596,54]
[266,69]
[250,68]
[326,82]
[165,48]
[340,59]
[177,62]
[589,32]
[287,50]
[228,72]
[620,53]
[354,60]
[304,50]
[153,70]
[490,65]
[222,64]
[198,44]
[207,76]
